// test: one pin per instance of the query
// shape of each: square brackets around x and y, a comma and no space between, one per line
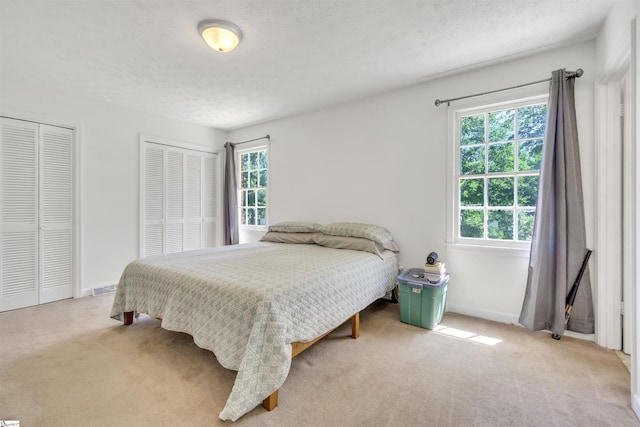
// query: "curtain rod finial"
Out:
[438,102]
[579,72]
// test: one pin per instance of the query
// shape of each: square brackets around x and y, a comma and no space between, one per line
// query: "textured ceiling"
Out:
[296,55]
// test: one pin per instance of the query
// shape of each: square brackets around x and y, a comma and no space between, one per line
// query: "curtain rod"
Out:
[577,73]
[267,136]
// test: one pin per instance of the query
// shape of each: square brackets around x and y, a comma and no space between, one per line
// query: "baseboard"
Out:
[511,319]
[483,314]
[580,336]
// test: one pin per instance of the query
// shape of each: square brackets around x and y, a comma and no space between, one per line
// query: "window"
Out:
[498,151]
[252,197]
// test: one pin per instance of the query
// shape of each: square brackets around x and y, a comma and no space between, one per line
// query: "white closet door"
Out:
[178,188]
[56,210]
[175,201]
[209,197]
[153,187]
[193,205]
[18,214]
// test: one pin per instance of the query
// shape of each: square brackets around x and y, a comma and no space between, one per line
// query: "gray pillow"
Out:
[353,243]
[278,237]
[373,232]
[295,227]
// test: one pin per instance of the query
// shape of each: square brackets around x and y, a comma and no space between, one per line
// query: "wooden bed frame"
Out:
[271,402]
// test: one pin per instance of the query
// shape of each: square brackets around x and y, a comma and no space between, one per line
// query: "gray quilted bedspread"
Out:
[247,303]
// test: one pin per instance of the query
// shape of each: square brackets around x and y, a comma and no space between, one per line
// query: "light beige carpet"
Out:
[68,364]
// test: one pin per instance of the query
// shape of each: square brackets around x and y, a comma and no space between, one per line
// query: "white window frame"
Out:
[249,148]
[494,102]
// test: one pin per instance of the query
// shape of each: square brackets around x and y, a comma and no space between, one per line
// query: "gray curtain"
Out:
[559,243]
[230,208]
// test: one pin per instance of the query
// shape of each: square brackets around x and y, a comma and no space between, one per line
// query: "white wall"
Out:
[379,160]
[109,146]
[620,23]
[383,160]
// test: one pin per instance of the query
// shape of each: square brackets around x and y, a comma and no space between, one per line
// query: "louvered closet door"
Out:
[175,201]
[193,205]
[18,214]
[153,200]
[209,197]
[200,205]
[56,210]
[179,201]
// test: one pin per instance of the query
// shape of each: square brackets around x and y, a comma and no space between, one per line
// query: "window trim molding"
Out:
[531,94]
[249,147]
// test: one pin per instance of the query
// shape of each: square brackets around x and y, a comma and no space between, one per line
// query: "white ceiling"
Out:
[296,55]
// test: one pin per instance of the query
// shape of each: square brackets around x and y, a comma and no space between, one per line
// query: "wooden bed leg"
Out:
[128,317]
[355,326]
[271,402]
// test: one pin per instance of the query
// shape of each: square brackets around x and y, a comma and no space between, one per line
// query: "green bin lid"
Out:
[414,277]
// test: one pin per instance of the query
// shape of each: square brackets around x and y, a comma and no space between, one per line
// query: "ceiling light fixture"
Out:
[221,36]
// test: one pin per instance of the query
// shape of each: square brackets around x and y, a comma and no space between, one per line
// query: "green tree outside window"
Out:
[500,152]
[253,188]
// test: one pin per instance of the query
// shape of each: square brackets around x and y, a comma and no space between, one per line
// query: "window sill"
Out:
[253,228]
[486,249]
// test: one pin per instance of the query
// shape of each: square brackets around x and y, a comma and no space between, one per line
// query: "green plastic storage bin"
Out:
[422,303]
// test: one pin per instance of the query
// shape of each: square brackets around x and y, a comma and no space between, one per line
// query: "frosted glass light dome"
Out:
[221,36]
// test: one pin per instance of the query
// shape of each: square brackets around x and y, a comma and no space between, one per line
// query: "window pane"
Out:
[472,192]
[525,224]
[471,160]
[501,125]
[501,157]
[500,224]
[253,162]
[262,198]
[471,223]
[500,191]
[496,148]
[262,216]
[252,182]
[244,161]
[527,190]
[472,130]
[529,155]
[532,121]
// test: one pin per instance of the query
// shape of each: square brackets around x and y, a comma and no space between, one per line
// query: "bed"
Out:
[252,304]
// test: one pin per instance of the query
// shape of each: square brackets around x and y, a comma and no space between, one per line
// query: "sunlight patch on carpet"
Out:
[466,335]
